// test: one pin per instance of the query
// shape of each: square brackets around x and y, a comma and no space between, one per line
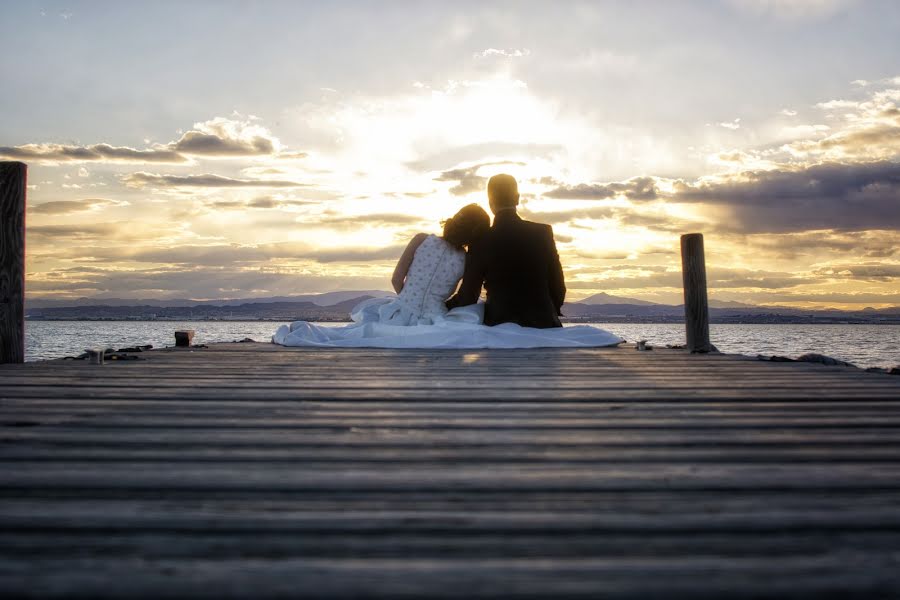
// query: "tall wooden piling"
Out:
[12,262]
[696,306]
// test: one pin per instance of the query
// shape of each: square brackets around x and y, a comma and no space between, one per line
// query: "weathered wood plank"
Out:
[452,477]
[630,577]
[854,453]
[348,436]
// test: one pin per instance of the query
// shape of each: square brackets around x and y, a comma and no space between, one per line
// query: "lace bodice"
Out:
[433,276]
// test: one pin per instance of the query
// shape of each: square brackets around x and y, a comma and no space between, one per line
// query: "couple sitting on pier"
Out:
[514,260]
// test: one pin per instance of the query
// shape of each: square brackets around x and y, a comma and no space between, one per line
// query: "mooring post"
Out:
[184,338]
[12,262]
[696,306]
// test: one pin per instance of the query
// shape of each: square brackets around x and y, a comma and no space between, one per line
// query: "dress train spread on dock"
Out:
[459,328]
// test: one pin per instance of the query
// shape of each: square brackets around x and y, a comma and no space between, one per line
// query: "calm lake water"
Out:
[862,345]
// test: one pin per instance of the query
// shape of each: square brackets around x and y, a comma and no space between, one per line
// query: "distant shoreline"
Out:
[752,320]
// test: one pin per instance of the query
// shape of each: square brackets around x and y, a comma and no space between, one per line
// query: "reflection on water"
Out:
[863,345]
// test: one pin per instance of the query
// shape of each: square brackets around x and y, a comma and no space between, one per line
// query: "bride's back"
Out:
[433,275]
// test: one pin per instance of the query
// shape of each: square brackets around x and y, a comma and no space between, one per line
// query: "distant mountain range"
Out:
[336,306]
[604,298]
[326,299]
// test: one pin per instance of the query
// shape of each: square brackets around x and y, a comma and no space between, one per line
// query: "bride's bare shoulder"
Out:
[416,241]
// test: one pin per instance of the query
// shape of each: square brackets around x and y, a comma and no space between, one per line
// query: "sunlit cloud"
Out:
[142,179]
[467,179]
[510,53]
[219,137]
[96,153]
[639,188]
[64,207]
[816,197]
[735,124]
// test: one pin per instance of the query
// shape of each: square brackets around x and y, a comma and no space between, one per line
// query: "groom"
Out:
[517,263]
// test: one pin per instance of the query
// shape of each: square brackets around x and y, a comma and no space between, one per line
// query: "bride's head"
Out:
[466,226]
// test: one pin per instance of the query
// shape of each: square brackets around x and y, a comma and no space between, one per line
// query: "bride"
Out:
[427,274]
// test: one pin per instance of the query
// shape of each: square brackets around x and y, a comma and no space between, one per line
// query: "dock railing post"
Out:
[12,262]
[696,306]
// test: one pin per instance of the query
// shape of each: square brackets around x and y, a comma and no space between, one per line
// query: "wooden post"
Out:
[12,262]
[696,307]
[184,338]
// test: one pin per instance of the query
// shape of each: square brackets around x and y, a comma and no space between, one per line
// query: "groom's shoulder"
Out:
[537,227]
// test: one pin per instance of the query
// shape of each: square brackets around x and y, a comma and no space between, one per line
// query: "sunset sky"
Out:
[245,149]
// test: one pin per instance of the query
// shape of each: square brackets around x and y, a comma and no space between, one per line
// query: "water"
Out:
[862,345]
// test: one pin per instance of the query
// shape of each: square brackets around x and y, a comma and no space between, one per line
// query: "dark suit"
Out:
[518,265]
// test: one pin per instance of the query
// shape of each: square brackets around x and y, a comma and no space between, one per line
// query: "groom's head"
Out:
[503,193]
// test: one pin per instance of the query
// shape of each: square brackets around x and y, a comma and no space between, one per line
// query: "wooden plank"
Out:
[487,455]
[348,435]
[590,395]
[628,577]
[438,540]
[463,478]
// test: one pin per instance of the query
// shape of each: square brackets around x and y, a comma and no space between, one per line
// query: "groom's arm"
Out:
[472,281]
[555,276]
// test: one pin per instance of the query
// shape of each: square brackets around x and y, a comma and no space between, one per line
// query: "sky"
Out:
[247,149]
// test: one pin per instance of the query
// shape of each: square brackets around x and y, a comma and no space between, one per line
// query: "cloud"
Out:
[638,188]
[634,276]
[866,271]
[358,255]
[291,155]
[833,196]
[876,141]
[196,142]
[790,246]
[63,207]
[736,124]
[369,220]
[224,255]
[199,282]
[467,178]
[97,152]
[265,202]
[74,231]
[870,129]
[626,216]
[142,179]
[222,137]
[219,137]
[884,81]
[510,53]
[260,202]
[726,277]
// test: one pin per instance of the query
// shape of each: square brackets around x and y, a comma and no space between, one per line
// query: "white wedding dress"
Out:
[418,318]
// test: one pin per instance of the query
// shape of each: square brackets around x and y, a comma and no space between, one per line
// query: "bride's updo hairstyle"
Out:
[466,226]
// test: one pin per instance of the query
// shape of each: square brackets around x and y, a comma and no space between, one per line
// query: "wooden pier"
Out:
[251,470]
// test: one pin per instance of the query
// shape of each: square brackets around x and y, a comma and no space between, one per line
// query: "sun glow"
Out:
[617,148]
